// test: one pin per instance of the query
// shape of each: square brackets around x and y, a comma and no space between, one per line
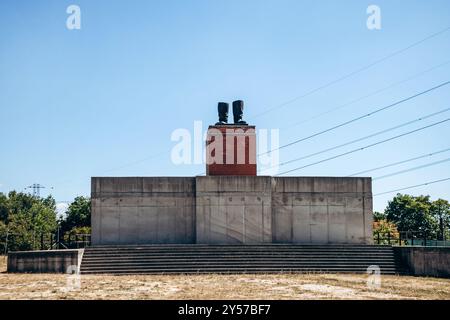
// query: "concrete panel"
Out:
[253,224]
[319,224]
[148,225]
[282,225]
[110,225]
[128,225]
[337,228]
[235,224]
[143,210]
[217,224]
[238,207]
[301,220]
[96,221]
[355,227]
[368,219]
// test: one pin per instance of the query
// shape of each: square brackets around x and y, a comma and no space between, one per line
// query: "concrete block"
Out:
[48,261]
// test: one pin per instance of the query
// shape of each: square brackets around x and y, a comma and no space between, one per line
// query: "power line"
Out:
[319,88]
[366,147]
[411,187]
[329,84]
[363,138]
[412,169]
[325,86]
[358,118]
[367,95]
[400,162]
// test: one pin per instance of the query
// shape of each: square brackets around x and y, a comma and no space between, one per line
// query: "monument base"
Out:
[231,150]
[231,210]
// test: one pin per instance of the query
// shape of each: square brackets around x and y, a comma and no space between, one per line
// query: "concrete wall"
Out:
[231,210]
[322,210]
[143,210]
[51,261]
[425,261]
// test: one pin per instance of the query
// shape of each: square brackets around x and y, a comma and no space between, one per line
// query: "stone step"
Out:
[232,263]
[243,247]
[267,253]
[236,259]
[240,270]
[285,252]
[225,256]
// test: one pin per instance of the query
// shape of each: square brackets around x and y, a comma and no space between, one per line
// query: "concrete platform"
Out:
[231,210]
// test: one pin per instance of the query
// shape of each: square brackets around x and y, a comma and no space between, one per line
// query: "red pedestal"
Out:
[231,150]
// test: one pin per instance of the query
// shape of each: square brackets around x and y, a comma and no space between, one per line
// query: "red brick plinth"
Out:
[231,150]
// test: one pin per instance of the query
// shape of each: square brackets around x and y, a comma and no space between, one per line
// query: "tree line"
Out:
[25,219]
[415,213]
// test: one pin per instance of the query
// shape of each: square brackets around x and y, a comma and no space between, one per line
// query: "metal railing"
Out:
[42,241]
[409,238]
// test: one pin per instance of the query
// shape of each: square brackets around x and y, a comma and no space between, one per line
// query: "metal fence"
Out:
[409,238]
[42,241]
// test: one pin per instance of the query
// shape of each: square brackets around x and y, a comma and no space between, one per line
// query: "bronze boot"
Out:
[238,111]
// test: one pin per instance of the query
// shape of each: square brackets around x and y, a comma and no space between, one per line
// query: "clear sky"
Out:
[104,100]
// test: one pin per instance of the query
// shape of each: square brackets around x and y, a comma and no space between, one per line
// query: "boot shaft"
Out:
[238,111]
[223,109]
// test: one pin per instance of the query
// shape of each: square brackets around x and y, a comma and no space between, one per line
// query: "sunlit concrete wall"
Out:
[143,210]
[322,210]
[231,210]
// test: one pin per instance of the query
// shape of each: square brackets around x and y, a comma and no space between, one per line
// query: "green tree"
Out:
[27,227]
[440,209]
[3,208]
[411,213]
[19,202]
[78,214]
[27,217]
[378,216]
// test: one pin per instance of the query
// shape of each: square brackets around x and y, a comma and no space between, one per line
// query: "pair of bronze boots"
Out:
[238,111]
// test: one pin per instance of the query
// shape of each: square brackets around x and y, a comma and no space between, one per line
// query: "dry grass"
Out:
[284,286]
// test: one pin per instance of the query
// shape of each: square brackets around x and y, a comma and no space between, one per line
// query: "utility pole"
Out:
[36,189]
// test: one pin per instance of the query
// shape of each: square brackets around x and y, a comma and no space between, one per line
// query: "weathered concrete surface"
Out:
[425,261]
[322,210]
[143,210]
[233,209]
[46,261]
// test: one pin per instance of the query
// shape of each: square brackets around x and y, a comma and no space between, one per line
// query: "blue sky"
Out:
[104,100]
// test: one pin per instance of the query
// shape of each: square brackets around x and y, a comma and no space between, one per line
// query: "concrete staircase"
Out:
[159,259]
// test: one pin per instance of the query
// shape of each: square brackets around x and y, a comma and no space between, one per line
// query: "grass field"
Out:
[284,286]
